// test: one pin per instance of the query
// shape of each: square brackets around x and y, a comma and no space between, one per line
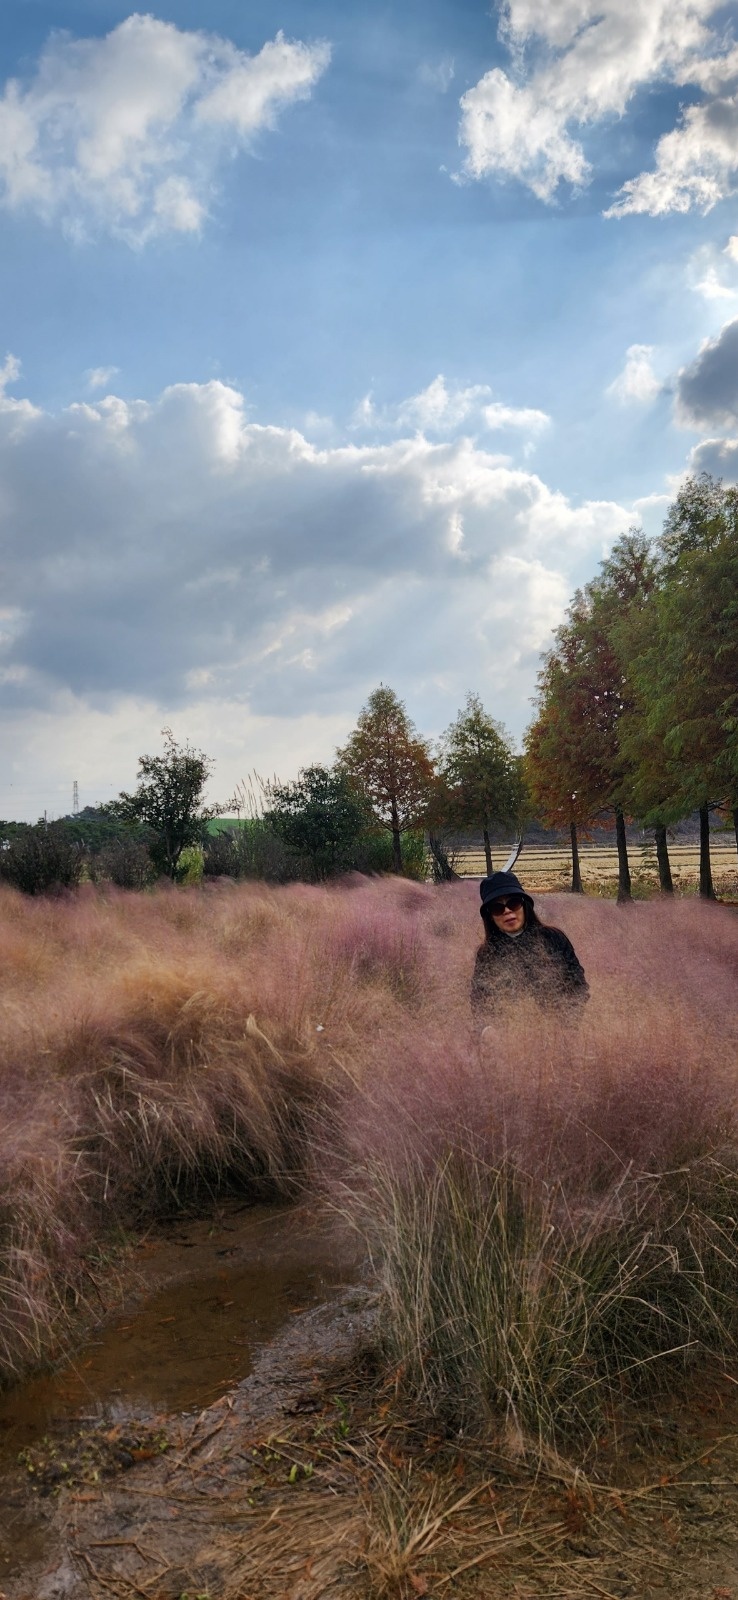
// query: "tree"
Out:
[586,689]
[647,767]
[552,773]
[169,800]
[482,774]
[389,763]
[319,817]
[690,673]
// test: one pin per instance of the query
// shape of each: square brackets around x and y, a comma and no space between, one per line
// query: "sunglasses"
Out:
[498,907]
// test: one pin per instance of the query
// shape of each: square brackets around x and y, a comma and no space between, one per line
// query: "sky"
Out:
[338,344]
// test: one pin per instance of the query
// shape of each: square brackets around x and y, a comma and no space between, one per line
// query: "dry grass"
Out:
[357,1501]
[156,1047]
[553,1210]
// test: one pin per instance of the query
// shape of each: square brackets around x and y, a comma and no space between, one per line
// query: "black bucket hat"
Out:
[501,883]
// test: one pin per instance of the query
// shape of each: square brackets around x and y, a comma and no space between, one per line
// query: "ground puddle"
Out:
[214,1293]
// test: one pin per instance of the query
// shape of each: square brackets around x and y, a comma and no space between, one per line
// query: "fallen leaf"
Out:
[418,1583]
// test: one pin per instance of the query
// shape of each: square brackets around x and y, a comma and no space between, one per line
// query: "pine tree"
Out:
[390,764]
[482,774]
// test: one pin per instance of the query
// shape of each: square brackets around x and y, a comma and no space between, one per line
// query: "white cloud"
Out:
[637,383]
[9,372]
[126,132]
[439,409]
[589,58]
[99,377]
[175,553]
[526,418]
[696,164]
[713,288]
[437,75]
[442,409]
[15,412]
[711,272]
[316,425]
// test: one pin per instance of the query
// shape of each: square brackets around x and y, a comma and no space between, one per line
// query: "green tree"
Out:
[388,762]
[648,780]
[169,801]
[690,672]
[620,602]
[320,817]
[482,774]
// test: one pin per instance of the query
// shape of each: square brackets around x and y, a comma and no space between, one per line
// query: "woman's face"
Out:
[509,913]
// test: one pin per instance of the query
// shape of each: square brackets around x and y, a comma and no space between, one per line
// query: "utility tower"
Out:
[75,799]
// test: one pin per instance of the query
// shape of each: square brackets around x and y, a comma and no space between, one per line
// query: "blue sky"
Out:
[340,344]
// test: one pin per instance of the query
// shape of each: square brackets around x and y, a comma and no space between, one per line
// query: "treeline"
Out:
[387,804]
[637,711]
[636,720]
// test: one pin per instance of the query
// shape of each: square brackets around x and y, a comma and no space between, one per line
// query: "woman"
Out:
[521,955]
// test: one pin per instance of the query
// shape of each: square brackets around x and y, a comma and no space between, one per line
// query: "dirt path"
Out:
[308,1481]
[311,1478]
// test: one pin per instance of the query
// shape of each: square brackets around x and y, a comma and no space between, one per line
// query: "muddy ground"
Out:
[310,1477]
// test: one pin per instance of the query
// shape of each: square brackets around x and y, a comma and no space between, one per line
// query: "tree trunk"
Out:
[487,850]
[443,870]
[662,856]
[577,887]
[396,842]
[624,893]
[735,825]
[706,889]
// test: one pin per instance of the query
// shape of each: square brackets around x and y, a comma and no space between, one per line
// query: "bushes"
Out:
[253,849]
[40,858]
[126,862]
[319,818]
[247,849]
[373,853]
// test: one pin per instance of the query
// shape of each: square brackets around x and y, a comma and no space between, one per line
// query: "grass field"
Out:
[156,1048]
[549,1210]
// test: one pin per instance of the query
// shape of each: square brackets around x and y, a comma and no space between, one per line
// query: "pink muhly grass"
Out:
[374,943]
[552,1209]
[153,1046]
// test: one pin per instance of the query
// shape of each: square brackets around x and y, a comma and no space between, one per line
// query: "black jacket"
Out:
[540,962]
